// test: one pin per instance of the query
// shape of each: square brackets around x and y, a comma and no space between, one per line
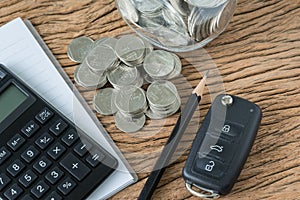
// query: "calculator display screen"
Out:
[10,99]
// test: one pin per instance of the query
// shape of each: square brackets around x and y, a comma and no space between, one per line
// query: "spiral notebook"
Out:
[23,51]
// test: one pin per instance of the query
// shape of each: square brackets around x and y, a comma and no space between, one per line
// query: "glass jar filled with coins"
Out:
[177,25]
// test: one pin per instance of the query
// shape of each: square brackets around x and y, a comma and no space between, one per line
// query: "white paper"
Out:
[22,54]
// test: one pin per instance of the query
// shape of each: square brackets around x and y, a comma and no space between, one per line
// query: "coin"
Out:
[124,76]
[131,100]
[101,58]
[159,64]
[88,79]
[129,125]
[206,3]
[100,41]
[130,49]
[129,10]
[104,102]
[79,48]
[160,94]
[148,7]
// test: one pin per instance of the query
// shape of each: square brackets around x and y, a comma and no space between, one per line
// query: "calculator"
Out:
[43,155]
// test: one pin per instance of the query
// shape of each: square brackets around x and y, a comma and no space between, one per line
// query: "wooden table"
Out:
[258,58]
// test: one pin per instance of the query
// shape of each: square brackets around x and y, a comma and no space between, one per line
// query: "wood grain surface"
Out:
[258,58]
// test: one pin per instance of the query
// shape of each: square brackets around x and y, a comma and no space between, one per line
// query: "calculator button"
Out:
[54,196]
[44,141]
[29,154]
[28,178]
[210,167]
[54,175]
[58,127]
[40,189]
[16,142]
[4,180]
[13,192]
[56,151]
[2,74]
[27,197]
[4,154]
[42,165]
[70,137]
[66,186]
[75,167]
[44,116]
[82,148]
[16,167]
[30,128]
[95,158]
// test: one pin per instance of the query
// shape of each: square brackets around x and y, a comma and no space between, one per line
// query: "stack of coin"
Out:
[123,61]
[161,65]
[177,22]
[131,104]
[163,99]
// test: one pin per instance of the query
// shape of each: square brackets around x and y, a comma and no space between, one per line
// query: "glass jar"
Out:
[177,25]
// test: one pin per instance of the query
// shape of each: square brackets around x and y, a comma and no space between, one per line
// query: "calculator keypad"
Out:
[51,165]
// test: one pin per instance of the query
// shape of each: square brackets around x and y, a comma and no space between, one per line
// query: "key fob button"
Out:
[209,167]
[217,148]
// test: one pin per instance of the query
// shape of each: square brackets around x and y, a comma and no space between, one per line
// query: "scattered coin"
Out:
[129,125]
[101,58]
[85,77]
[104,101]
[127,100]
[130,49]
[79,48]
[124,76]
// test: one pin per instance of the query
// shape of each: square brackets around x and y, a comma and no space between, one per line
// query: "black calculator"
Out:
[43,155]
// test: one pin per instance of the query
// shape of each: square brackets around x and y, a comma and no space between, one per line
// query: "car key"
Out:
[221,146]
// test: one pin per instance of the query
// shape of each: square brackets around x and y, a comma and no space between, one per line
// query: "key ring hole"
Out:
[202,192]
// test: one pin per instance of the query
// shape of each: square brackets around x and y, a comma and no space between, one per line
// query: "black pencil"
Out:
[173,141]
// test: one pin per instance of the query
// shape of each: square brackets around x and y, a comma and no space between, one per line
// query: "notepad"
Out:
[24,53]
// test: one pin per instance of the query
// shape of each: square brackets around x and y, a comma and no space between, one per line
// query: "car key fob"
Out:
[221,146]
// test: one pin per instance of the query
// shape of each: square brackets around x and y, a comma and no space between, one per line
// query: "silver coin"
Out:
[181,6]
[130,49]
[128,10]
[127,124]
[206,3]
[149,6]
[130,99]
[110,42]
[161,94]
[79,48]
[101,58]
[85,77]
[159,64]
[123,76]
[100,41]
[153,114]
[104,102]
[177,69]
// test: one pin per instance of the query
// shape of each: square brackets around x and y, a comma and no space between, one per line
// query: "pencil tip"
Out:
[200,87]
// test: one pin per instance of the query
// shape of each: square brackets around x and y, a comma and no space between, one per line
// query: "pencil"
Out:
[173,140]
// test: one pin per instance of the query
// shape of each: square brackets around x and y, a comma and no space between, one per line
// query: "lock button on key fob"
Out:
[221,146]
